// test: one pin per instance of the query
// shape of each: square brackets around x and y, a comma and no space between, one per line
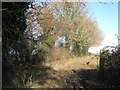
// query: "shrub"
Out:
[111,65]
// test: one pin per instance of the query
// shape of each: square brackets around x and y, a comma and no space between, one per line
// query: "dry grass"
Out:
[58,53]
[74,63]
[61,70]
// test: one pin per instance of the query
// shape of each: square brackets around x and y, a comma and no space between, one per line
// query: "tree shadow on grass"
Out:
[47,77]
[40,76]
[84,78]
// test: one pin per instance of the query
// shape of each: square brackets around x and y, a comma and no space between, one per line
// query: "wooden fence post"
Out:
[101,67]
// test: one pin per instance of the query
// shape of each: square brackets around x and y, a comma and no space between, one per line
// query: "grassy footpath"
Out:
[68,73]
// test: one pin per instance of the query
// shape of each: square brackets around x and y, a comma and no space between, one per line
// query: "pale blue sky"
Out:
[107,17]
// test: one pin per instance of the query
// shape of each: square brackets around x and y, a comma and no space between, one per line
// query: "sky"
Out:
[107,17]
